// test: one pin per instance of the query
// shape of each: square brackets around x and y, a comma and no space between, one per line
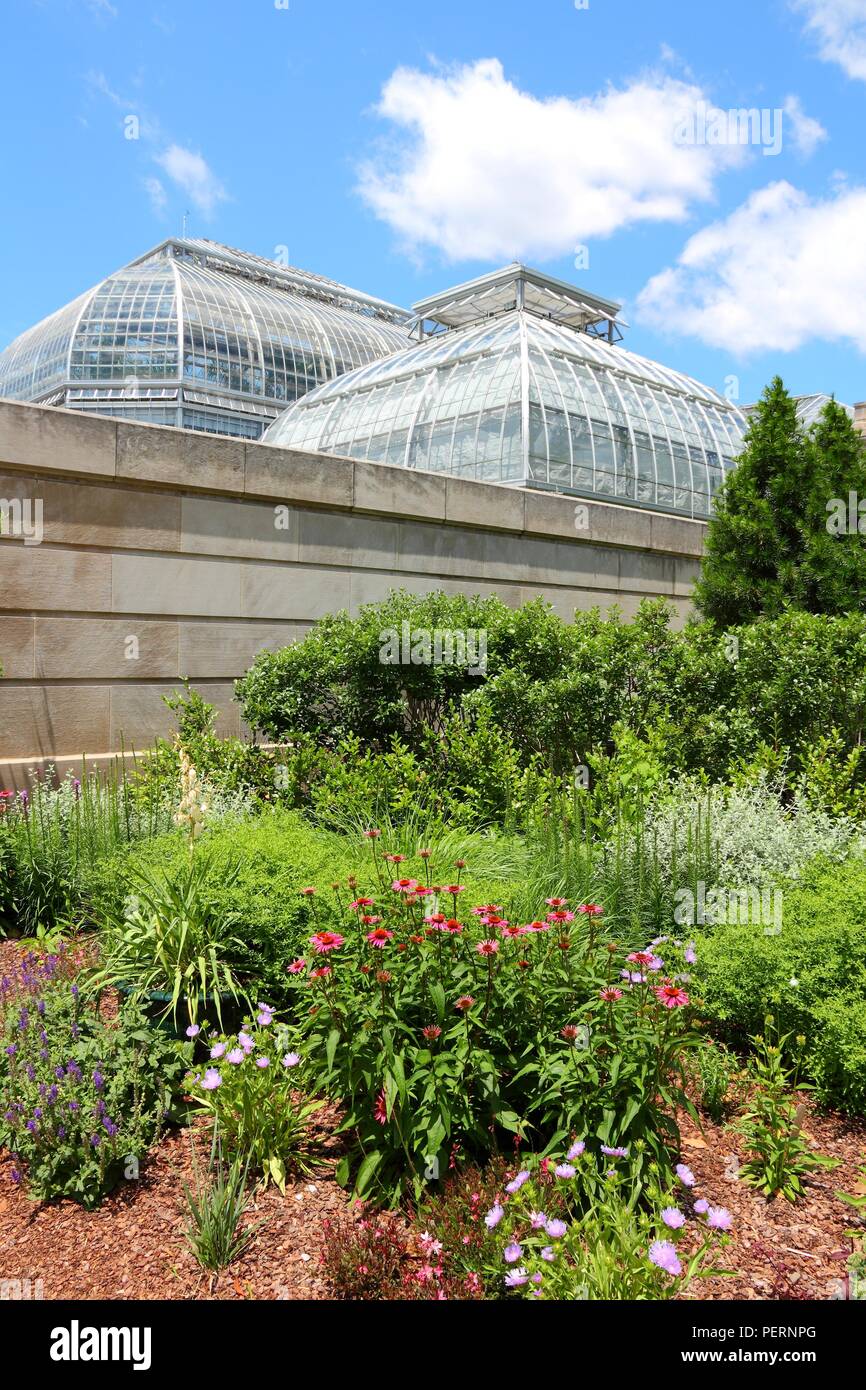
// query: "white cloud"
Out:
[840,29]
[102,8]
[807,132]
[484,170]
[783,269]
[194,176]
[157,194]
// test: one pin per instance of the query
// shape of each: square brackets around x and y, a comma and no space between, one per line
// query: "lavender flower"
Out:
[663,1254]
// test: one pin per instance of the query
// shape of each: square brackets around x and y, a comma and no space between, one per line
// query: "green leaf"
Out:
[367,1171]
[331,1047]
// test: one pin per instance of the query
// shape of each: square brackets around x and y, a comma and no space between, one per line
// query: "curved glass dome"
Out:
[199,335]
[529,395]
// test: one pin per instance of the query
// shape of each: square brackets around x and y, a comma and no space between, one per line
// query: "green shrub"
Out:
[272,857]
[557,696]
[811,976]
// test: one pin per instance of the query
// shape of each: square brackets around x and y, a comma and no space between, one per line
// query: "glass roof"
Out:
[527,399]
[193,311]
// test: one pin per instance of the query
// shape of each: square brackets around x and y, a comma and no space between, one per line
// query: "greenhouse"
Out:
[199,335]
[518,378]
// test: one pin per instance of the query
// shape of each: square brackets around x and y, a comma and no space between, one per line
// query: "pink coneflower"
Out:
[487,910]
[372,834]
[564,944]
[571,1032]
[436,919]
[640,957]
[361,902]
[509,931]
[425,853]
[453,926]
[671,996]
[370,920]
[431,1032]
[405,885]
[560,916]
[556,902]
[610,994]
[380,1109]
[719,1218]
[464,1002]
[487,948]
[308,892]
[453,888]
[539,926]
[379,936]
[591,910]
[324,941]
[663,1254]
[395,858]
[320,972]
[297,966]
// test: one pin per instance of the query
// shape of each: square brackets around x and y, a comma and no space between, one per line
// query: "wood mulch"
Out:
[780,1250]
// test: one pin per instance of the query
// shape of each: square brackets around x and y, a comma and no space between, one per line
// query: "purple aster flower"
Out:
[246,1042]
[263,1061]
[673,1218]
[576,1149]
[517,1181]
[211,1079]
[291,1059]
[193,1030]
[236,1056]
[515,1278]
[555,1228]
[685,1175]
[690,954]
[265,1016]
[494,1216]
[537,1220]
[217,1050]
[11,1050]
[512,1252]
[565,1170]
[614,1153]
[98,1080]
[702,1205]
[548,1254]
[663,1254]
[719,1218]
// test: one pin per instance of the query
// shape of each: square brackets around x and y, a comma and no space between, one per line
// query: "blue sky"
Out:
[402,147]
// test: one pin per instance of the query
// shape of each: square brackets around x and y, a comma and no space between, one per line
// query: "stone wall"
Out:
[166,553]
